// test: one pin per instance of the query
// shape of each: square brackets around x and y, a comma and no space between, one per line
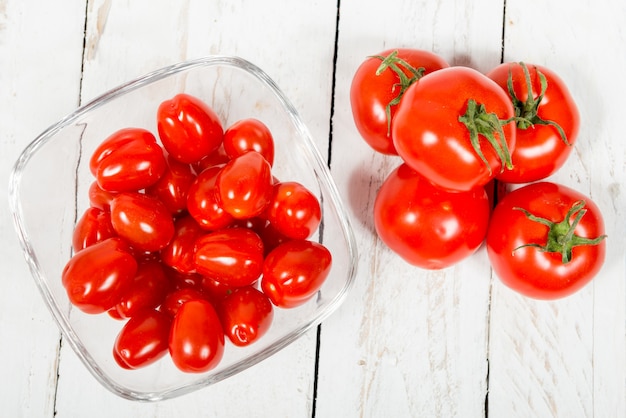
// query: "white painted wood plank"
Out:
[122,44]
[39,83]
[407,342]
[568,358]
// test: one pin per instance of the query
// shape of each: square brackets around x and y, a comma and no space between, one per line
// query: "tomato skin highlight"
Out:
[528,270]
[188,128]
[96,278]
[143,340]
[427,226]
[370,94]
[431,139]
[294,271]
[539,150]
[196,341]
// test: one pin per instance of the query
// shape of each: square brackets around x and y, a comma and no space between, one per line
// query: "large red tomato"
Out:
[450,127]
[427,226]
[546,240]
[378,86]
[549,122]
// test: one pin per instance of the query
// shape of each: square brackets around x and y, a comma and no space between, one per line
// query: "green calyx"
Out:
[526,112]
[479,122]
[393,63]
[561,238]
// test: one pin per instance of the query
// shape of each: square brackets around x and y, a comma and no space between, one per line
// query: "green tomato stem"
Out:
[561,238]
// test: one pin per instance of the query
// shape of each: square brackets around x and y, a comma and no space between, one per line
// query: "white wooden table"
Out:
[406,343]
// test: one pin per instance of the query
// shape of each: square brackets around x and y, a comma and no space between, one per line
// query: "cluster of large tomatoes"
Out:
[191,238]
[458,133]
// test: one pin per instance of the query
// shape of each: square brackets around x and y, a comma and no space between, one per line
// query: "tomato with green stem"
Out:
[546,240]
[378,86]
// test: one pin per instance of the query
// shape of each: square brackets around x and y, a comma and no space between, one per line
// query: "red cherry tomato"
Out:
[217,157]
[249,135]
[214,289]
[442,127]
[196,342]
[178,297]
[96,278]
[147,290]
[128,160]
[142,220]
[143,339]
[244,185]
[179,252]
[100,198]
[294,210]
[540,149]
[374,96]
[203,201]
[172,187]
[94,226]
[232,256]
[246,315]
[188,128]
[427,226]
[546,240]
[294,271]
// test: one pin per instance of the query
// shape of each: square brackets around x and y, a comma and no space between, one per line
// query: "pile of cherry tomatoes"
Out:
[190,238]
[460,135]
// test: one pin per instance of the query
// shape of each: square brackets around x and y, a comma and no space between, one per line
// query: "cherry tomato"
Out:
[142,220]
[249,135]
[427,226]
[178,297]
[128,160]
[550,120]
[147,290]
[188,128]
[232,256]
[203,201]
[143,339]
[450,128]
[196,341]
[94,226]
[96,278]
[179,252]
[100,198]
[294,210]
[374,94]
[294,271]
[214,289]
[244,185]
[172,187]
[217,157]
[546,240]
[246,315]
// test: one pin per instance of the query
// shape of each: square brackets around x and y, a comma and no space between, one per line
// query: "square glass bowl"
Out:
[48,193]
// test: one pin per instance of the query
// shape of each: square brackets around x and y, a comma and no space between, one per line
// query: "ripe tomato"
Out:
[203,201]
[244,185]
[100,198]
[142,220]
[196,341]
[143,339]
[294,271]
[249,135]
[128,160]
[546,241]
[188,128]
[179,252]
[96,278]
[146,291]
[246,315]
[550,120]
[378,86]
[293,210]
[427,226]
[172,187]
[94,226]
[233,256]
[178,297]
[449,127]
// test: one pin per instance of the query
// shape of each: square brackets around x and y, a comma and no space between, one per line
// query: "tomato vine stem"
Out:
[394,63]
[561,238]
